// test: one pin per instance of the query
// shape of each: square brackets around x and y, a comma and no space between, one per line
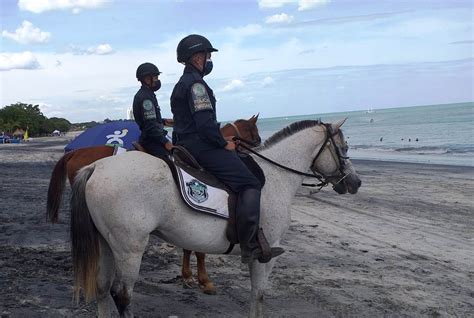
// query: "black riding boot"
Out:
[248,216]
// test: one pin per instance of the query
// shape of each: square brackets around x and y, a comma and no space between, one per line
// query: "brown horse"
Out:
[71,162]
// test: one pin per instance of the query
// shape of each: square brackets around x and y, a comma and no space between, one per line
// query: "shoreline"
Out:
[7,151]
[405,163]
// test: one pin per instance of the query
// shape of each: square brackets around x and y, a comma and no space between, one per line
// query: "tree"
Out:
[60,124]
[28,116]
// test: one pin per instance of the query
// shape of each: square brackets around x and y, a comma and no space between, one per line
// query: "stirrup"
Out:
[257,254]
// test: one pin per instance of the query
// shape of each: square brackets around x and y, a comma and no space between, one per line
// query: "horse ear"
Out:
[254,119]
[335,126]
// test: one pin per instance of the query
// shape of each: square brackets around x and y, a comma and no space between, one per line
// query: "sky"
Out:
[77,58]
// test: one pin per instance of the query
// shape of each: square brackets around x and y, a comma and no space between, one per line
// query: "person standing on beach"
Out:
[146,112]
[196,128]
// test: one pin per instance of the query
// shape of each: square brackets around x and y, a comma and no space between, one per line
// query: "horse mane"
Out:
[289,130]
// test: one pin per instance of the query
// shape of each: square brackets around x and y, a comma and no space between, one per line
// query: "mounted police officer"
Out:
[146,112]
[196,128]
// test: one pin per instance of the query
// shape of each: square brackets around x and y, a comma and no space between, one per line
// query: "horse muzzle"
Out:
[353,183]
[349,183]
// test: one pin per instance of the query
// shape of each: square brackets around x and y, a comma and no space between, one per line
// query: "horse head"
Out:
[332,163]
[245,129]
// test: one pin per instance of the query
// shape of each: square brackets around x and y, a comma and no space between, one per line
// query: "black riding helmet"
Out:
[147,69]
[192,44]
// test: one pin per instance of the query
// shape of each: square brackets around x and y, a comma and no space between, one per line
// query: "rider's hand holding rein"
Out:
[230,146]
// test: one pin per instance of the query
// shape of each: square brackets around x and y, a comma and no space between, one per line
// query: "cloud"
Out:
[463,42]
[27,34]
[264,4]
[113,99]
[268,81]
[310,4]
[12,61]
[279,18]
[302,4]
[244,31]
[347,19]
[39,6]
[101,49]
[50,110]
[308,51]
[233,85]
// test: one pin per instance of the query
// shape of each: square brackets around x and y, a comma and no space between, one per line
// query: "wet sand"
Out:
[401,247]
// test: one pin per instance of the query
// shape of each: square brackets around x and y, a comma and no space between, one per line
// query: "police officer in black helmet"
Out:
[196,128]
[146,112]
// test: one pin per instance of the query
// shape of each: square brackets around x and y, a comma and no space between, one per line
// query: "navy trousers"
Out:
[157,150]
[226,166]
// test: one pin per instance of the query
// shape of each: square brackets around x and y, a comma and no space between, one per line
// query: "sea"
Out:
[434,134]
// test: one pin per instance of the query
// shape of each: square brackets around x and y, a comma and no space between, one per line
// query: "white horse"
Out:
[118,201]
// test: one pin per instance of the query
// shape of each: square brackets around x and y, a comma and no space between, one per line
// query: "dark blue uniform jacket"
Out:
[196,128]
[148,117]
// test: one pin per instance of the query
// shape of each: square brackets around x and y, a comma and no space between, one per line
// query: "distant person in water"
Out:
[381,138]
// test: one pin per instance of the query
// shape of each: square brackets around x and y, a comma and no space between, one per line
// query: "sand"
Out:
[401,247]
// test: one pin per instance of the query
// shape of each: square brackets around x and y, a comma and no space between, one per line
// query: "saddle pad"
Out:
[118,150]
[201,196]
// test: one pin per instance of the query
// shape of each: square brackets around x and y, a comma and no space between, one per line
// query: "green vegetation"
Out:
[83,126]
[27,116]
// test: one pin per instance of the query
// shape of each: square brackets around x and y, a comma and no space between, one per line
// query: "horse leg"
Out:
[203,278]
[128,257]
[186,273]
[104,278]
[258,279]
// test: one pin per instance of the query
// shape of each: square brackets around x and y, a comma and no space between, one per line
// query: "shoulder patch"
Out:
[200,97]
[148,109]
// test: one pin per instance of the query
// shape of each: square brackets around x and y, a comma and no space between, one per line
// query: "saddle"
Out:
[203,192]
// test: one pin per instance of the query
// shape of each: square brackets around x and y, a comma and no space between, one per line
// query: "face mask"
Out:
[208,67]
[156,85]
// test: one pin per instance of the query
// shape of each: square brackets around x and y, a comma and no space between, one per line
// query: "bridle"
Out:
[328,143]
[238,136]
[336,154]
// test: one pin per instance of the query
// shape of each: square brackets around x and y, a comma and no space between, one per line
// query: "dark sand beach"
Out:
[402,247]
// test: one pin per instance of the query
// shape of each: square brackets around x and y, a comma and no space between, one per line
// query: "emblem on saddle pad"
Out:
[197,191]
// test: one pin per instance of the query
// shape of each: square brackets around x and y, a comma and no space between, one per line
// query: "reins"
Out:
[321,177]
[274,162]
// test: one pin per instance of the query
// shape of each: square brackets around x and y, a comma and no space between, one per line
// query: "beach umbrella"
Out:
[121,133]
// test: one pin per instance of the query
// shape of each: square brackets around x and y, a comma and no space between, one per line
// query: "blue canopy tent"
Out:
[121,133]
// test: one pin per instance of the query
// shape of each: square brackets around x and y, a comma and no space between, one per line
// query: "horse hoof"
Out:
[209,289]
[210,292]
[189,283]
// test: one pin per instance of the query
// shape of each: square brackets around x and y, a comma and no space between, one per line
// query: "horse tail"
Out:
[56,188]
[84,238]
